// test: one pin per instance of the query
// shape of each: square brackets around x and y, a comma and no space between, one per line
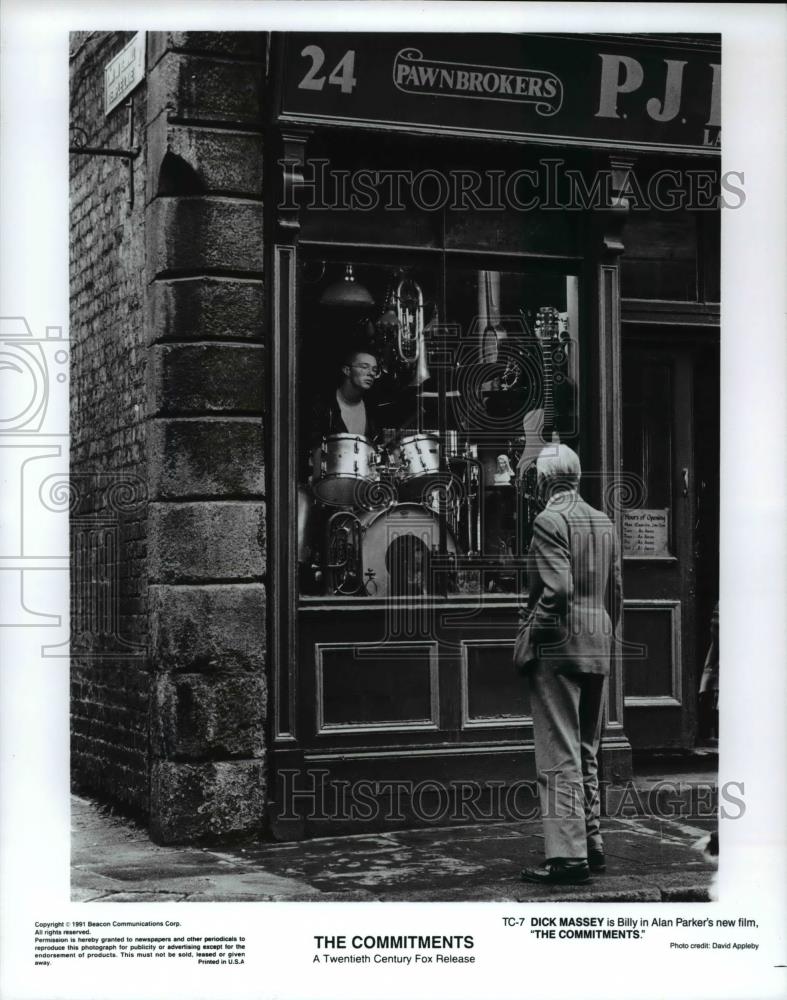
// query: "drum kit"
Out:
[399,508]
[386,531]
[355,473]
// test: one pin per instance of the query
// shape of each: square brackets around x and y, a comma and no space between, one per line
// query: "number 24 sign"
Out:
[341,75]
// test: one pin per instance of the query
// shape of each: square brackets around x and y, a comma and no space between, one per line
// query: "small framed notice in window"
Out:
[646,532]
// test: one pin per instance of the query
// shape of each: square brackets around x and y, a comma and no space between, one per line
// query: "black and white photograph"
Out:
[384,504]
[415,351]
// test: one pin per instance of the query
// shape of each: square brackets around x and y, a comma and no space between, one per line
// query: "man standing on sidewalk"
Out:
[564,648]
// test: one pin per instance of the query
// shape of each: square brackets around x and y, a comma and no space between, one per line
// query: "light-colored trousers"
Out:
[567,711]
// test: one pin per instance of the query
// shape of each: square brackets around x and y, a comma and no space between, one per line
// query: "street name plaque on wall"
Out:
[604,91]
[123,73]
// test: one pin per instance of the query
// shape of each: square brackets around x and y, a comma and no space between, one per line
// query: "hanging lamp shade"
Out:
[347,293]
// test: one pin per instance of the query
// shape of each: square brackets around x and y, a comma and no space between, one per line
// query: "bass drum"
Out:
[397,551]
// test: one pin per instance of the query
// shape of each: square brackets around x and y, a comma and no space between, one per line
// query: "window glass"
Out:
[426,393]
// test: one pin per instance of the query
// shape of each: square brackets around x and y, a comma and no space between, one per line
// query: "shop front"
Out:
[487,244]
[345,289]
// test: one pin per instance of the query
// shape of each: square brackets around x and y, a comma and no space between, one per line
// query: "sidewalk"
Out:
[648,860]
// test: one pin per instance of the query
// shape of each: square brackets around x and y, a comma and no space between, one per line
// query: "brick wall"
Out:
[110,680]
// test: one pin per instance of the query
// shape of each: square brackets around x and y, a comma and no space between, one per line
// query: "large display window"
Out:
[428,382]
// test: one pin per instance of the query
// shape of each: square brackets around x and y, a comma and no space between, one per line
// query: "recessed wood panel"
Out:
[660,257]
[654,677]
[493,692]
[364,686]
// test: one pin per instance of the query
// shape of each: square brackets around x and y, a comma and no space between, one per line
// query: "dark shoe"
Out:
[596,861]
[558,871]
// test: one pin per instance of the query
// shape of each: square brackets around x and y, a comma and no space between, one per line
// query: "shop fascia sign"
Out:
[124,72]
[599,91]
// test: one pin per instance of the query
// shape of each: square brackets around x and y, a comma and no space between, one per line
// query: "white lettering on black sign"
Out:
[415,74]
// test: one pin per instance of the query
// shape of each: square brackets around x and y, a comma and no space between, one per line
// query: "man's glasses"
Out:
[373,370]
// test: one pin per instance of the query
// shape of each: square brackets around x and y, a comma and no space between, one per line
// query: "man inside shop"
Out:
[346,410]
[342,409]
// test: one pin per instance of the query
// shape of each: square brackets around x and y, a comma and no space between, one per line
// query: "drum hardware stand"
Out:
[444,572]
[474,499]
[525,495]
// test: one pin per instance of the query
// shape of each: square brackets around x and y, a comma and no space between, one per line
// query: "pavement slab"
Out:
[648,859]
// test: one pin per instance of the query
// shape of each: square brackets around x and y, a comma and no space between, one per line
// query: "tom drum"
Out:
[347,462]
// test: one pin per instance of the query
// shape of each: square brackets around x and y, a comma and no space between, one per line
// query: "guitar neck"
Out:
[547,325]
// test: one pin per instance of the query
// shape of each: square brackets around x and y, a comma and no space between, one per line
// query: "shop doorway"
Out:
[670,528]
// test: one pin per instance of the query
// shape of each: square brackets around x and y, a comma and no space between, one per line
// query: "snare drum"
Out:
[347,462]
